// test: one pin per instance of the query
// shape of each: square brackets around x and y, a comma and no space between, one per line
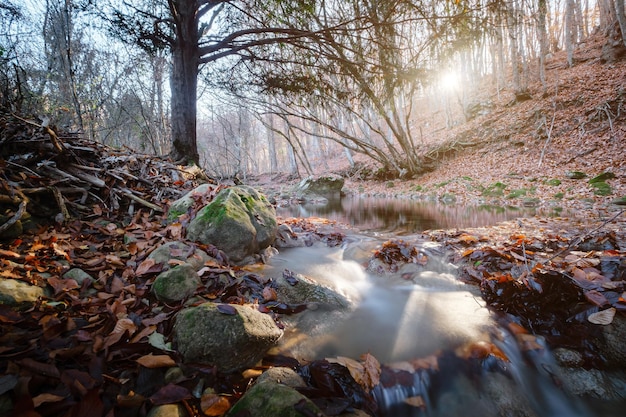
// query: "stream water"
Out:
[399,320]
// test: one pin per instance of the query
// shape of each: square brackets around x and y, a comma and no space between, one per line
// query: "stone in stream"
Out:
[225,335]
[239,221]
[327,186]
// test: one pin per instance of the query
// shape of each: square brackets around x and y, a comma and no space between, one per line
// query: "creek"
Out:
[418,313]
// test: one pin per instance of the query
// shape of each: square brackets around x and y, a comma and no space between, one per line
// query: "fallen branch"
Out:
[141,201]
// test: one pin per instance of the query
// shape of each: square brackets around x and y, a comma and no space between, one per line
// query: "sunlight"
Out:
[449,81]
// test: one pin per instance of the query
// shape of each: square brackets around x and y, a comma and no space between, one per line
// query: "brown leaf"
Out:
[148,266]
[156,361]
[226,309]
[170,394]
[269,294]
[603,317]
[214,405]
[122,327]
[46,398]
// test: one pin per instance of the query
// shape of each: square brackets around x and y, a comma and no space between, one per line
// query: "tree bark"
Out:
[621,18]
[184,82]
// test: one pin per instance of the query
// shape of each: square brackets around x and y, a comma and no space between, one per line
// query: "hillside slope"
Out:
[578,124]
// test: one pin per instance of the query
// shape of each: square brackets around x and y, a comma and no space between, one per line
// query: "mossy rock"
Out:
[228,336]
[601,188]
[602,177]
[240,221]
[179,251]
[554,182]
[176,284]
[268,399]
[575,175]
[182,205]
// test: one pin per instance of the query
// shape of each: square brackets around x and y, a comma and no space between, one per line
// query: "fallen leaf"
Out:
[170,394]
[226,309]
[214,405]
[417,401]
[603,317]
[122,327]
[46,398]
[156,361]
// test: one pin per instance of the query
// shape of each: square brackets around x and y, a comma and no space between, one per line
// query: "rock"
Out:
[328,186]
[182,205]
[167,410]
[14,292]
[228,336]
[294,288]
[239,221]
[269,399]
[590,383]
[612,343]
[12,232]
[176,284]
[181,252]
[78,275]
[575,175]
[281,375]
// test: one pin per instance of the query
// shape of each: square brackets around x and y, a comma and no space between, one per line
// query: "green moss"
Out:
[558,196]
[390,184]
[517,193]
[602,177]
[553,182]
[419,188]
[442,184]
[494,190]
[601,188]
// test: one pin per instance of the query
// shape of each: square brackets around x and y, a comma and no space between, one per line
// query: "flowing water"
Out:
[417,313]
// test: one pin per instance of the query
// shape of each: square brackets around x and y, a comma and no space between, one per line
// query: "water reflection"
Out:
[404,216]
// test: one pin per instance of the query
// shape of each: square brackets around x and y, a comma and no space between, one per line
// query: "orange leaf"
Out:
[214,405]
[156,361]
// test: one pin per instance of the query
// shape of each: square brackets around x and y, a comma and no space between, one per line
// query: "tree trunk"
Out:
[184,82]
[543,42]
[569,31]
[621,18]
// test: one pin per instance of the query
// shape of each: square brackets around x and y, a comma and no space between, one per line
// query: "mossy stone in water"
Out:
[268,399]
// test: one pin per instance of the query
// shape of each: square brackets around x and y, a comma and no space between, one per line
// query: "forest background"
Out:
[247,87]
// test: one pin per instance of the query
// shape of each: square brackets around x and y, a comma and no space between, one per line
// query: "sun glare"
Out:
[449,81]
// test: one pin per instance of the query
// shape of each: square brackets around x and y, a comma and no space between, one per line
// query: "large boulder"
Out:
[239,221]
[225,335]
[328,186]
